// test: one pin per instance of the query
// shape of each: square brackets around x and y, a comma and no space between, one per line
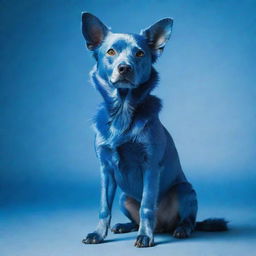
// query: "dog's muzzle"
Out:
[123,77]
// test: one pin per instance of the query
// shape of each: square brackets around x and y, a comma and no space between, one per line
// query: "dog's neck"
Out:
[121,103]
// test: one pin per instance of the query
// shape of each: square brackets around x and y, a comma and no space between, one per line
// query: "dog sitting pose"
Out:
[135,150]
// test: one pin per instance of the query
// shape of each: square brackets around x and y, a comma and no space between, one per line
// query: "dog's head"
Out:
[125,60]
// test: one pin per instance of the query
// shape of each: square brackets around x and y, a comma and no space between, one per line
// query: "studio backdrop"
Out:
[207,85]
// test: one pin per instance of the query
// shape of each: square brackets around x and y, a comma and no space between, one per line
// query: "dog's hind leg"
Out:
[130,207]
[187,210]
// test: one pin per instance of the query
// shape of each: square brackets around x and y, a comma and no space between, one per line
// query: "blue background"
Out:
[208,88]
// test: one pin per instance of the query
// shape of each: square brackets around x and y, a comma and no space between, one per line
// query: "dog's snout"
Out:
[124,69]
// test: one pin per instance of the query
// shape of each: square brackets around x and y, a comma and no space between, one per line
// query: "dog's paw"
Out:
[181,232]
[92,238]
[120,228]
[143,241]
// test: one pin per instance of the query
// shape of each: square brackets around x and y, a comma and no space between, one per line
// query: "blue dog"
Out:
[135,150]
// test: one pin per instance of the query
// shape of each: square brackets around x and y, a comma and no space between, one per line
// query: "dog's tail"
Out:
[212,225]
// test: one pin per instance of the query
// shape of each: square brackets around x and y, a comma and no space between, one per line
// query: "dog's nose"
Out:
[124,68]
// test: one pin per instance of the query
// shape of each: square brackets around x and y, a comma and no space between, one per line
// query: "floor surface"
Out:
[58,232]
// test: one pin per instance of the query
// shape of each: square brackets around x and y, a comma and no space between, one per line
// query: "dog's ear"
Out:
[158,34]
[94,31]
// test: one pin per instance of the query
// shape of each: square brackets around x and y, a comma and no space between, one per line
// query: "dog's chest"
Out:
[119,138]
[127,158]
[129,161]
[117,130]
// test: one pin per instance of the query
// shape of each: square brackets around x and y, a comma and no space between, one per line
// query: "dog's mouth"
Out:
[123,83]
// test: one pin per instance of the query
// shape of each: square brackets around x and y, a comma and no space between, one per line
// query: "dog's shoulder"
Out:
[150,107]
[145,114]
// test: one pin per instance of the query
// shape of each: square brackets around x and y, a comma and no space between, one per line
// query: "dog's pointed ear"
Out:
[158,34]
[94,31]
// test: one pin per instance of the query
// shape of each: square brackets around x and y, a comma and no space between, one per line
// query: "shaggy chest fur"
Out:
[119,140]
[124,123]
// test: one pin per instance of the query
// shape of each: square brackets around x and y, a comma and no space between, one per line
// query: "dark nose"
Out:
[124,68]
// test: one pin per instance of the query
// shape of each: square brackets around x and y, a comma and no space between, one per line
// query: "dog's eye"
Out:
[111,52]
[140,53]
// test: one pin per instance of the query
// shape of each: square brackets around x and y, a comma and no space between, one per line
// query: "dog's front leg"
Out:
[108,188]
[145,236]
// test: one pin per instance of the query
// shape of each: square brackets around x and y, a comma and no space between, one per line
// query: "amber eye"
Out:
[111,52]
[140,53]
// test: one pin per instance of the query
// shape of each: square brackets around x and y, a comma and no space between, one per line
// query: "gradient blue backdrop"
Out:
[208,87]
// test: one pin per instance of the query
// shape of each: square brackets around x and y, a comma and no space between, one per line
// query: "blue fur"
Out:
[135,150]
